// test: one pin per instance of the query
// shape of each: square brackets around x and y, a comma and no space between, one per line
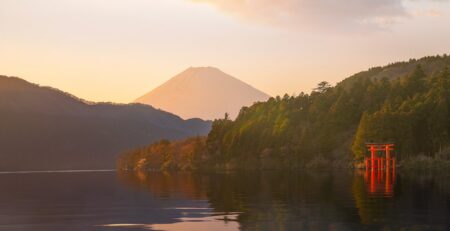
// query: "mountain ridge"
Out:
[44,128]
[203,92]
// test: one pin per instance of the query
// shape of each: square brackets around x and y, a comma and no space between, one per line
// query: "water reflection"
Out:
[277,200]
[209,221]
[305,201]
[379,182]
[263,200]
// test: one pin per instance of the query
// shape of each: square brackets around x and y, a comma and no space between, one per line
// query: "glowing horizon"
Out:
[117,50]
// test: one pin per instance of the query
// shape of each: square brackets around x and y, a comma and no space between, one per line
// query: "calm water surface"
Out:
[341,200]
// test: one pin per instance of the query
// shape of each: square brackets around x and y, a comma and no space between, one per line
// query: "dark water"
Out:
[319,200]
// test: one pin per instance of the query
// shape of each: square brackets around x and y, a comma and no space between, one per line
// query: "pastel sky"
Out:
[117,50]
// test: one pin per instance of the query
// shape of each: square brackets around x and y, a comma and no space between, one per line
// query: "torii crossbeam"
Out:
[385,160]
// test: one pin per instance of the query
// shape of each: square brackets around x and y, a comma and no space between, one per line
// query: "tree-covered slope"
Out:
[407,103]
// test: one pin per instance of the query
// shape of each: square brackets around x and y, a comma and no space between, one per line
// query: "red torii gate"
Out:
[380,169]
[383,162]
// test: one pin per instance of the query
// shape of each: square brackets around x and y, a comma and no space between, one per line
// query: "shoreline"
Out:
[58,171]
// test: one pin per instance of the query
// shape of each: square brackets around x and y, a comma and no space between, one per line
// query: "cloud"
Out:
[428,13]
[329,14]
[311,13]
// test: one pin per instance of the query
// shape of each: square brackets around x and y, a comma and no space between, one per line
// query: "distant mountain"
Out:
[203,92]
[46,129]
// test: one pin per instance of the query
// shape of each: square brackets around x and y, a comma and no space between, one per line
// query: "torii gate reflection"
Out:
[380,168]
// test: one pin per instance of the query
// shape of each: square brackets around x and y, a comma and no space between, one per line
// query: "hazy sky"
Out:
[117,50]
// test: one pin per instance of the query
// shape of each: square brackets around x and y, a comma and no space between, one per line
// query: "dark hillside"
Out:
[42,128]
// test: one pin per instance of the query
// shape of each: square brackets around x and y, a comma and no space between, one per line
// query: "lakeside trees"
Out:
[406,103]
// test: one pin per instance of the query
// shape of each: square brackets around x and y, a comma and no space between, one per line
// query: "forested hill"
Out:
[393,71]
[42,128]
[407,103]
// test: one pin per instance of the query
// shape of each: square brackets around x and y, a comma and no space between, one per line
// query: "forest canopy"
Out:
[407,103]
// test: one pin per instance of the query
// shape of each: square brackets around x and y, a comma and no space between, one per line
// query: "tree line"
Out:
[406,103]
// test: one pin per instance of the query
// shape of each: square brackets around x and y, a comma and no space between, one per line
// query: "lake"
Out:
[268,200]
